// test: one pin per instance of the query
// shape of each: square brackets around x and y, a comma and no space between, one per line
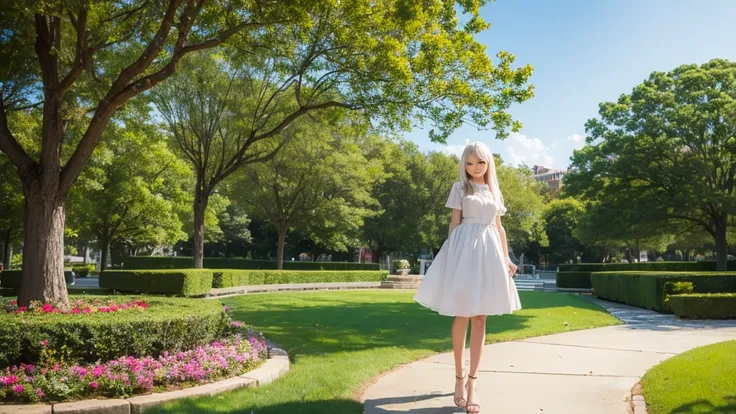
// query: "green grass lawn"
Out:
[338,341]
[701,380]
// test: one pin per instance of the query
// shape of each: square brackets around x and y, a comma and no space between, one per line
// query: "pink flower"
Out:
[44,343]
[87,310]
[114,307]
[18,388]
[237,324]
[13,302]
[47,308]
[226,308]
[39,393]
[94,384]
[76,310]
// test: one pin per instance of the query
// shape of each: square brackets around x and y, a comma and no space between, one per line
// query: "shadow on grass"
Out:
[705,406]
[323,324]
[324,406]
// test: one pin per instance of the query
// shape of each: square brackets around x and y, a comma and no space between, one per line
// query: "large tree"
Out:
[668,148]
[78,62]
[397,63]
[131,190]
[319,183]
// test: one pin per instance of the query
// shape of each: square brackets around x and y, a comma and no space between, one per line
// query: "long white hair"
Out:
[481,151]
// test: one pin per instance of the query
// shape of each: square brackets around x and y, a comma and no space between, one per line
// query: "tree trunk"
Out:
[43,248]
[104,253]
[7,248]
[200,205]
[280,247]
[721,246]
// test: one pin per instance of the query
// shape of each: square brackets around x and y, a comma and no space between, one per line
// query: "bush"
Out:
[11,278]
[573,280]
[704,306]
[645,266]
[188,282]
[650,289]
[83,271]
[168,324]
[165,262]
[232,278]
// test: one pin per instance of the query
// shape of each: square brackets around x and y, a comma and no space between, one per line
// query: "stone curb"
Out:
[275,366]
[638,404]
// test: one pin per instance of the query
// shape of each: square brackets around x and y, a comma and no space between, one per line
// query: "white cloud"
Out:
[528,151]
[578,140]
[455,149]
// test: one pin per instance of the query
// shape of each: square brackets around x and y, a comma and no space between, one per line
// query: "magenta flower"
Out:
[18,388]
[94,384]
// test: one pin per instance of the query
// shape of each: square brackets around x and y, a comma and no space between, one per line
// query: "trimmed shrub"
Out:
[650,289]
[645,266]
[180,262]
[168,324]
[186,282]
[11,278]
[232,278]
[704,306]
[573,280]
[83,271]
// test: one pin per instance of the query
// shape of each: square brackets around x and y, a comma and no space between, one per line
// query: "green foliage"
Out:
[185,282]
[131,189]
[318,183]
[561,218]
[83,271]
[162,262]
[649,289]
[232,278]
[664,154]
[704,306]
[523,221]
[168,324]
[573,280]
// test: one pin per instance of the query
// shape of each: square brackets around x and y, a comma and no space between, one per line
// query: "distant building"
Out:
[552,177]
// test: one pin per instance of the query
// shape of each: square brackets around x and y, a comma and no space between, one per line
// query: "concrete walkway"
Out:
[590,371]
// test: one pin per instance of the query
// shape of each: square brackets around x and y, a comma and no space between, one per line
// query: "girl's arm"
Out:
[502,232]
[457,217]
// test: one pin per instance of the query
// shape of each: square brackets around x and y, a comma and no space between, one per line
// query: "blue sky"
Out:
[585,52]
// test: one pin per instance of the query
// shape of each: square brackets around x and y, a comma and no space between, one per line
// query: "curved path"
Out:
[590,371]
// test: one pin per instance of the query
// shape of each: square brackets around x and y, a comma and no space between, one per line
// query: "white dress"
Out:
[469,276]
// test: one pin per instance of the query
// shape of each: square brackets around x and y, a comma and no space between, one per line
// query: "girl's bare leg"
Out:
[459,332]
[477,340]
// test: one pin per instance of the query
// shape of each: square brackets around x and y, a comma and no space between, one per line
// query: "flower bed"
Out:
[128,375]
[80,306]
[154,326]
[115,347]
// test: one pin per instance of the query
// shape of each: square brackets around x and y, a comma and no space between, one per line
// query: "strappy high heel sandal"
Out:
[474,407]
[459,401]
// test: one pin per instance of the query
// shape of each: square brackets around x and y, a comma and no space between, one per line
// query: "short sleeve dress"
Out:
[469,277]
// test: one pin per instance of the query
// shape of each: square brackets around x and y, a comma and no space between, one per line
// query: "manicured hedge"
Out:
[185,282]
[83,271]
[573,275]
[179,262]
[649,289]
[573,280]
[704,306]
[168,324]
[11,278]
[645,266]
[231,278]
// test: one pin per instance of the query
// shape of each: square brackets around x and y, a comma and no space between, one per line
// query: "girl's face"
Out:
[476,167]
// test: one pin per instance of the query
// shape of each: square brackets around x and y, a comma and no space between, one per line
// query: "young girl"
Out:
[471,277]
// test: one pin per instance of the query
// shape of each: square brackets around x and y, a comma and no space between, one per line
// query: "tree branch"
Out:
[81,26]
[9,145]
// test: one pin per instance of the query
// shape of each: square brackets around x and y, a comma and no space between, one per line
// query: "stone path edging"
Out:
[275,366]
